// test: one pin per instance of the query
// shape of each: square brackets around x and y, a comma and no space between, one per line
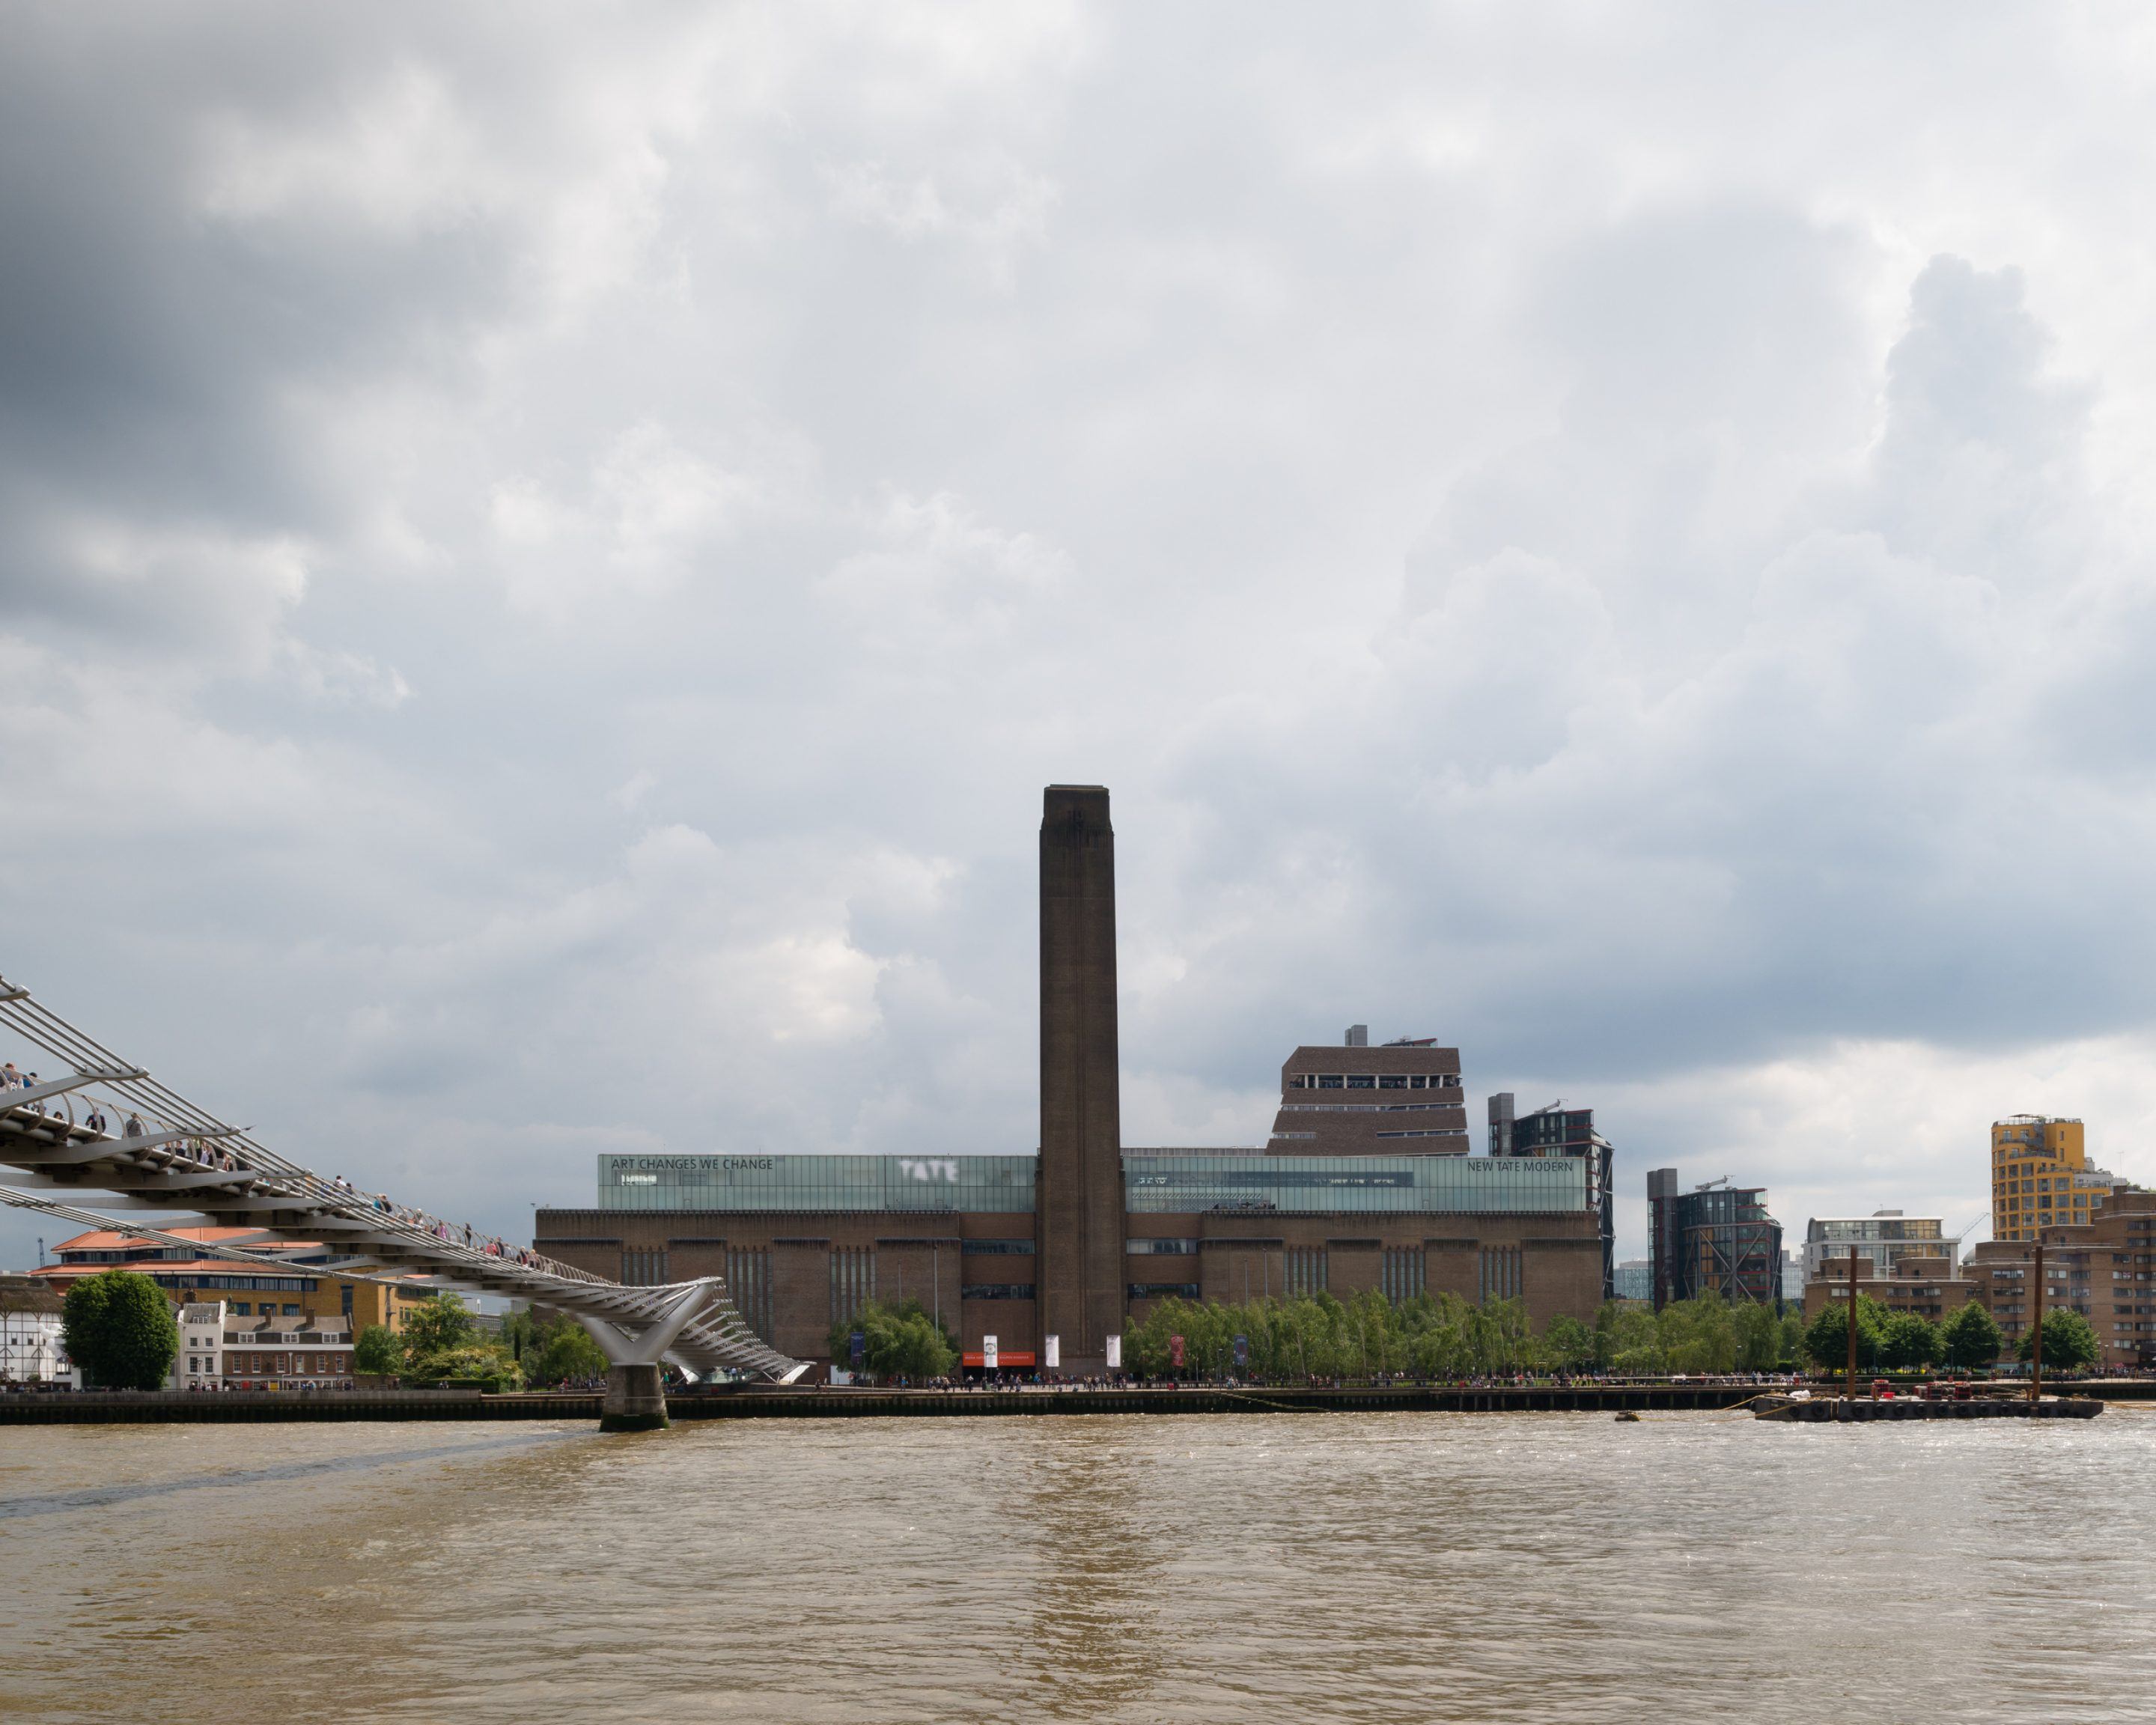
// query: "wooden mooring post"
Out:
[2036,1335]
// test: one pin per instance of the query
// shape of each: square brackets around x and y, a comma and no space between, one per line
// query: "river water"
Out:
[1290,1568]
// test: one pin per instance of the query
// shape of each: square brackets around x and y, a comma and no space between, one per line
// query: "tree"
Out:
[564,1349]
[1826,1337]
[1635,1340]
[1759,1328]
[520,1335]
[1790,1338]
[900,1341]
[1569,1343]
[375,1351]
[1906,1340]
[119,1329]
[2070,1341]
[1970,1338]
[1697,1335]
[487,1361]
[433,1329]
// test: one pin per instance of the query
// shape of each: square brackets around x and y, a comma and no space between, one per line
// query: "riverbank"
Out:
[178,1407]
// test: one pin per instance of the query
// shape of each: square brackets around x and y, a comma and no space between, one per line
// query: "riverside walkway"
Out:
[750,1402]
[104,1126]
[732,1402]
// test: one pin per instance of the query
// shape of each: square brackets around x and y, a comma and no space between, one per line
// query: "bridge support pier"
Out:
[635,1399]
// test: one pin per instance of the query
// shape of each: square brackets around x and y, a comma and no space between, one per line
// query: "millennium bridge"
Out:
[150,1149]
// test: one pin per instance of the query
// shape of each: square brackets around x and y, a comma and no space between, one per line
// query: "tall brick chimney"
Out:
[1080,1215]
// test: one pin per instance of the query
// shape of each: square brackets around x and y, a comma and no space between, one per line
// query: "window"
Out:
[291,1312]
[1168,1248]
[1392,1080]
[1417,1081]
[1306,1271]
[992,1248]
[240,1308]
[1502,1277]
[1402,1273]
[1164,1290]
[1330,1081]
[998,1291]
[1362,1080]
[748,1281]
[853,1280]
[1298,1082]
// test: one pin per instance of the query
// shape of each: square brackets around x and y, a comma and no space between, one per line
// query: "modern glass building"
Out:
[1883,1239]
[1156,1183]
[1163,1183]
[1716,1238]
[837,1185]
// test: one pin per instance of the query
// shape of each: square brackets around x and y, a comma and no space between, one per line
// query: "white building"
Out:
[1882,1238]
[200,1362]
[31,1350]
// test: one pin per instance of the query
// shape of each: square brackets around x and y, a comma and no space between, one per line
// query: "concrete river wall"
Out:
[240,1408]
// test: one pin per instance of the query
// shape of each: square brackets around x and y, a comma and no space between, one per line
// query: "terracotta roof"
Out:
[185,1266]
[105,1239]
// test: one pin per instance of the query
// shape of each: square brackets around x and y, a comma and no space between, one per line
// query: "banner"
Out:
[1055,1353]
[1115,1353]
[989,1353]
[1242,1352]
[1175,1351]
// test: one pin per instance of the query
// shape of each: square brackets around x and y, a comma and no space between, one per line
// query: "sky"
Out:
[546,556]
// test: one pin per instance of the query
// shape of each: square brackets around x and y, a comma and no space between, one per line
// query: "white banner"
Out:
[989,1353]
[1115,1353]
[1053,1353]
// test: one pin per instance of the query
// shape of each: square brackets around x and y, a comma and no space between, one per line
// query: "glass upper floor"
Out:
[1859,1229]
[1335,1185]
[1153,1184]
[969,1185]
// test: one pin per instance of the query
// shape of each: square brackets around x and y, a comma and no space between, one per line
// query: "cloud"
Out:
[542,569]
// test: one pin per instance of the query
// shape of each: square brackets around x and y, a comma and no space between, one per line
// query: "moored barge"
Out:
[1831,1410]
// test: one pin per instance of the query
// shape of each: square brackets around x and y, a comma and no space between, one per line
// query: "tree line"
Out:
[118,1328]
[1444,1336]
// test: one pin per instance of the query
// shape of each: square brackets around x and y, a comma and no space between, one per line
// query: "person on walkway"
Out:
[134,1127]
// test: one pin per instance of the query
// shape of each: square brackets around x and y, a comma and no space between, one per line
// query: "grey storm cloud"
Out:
[543,565]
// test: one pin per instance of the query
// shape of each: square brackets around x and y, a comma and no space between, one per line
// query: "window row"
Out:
[997,1291]
[1402,1273]
[1374,1080]
[1166,1248]
[1362,1107]
[1164,1290]
[996,1248]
